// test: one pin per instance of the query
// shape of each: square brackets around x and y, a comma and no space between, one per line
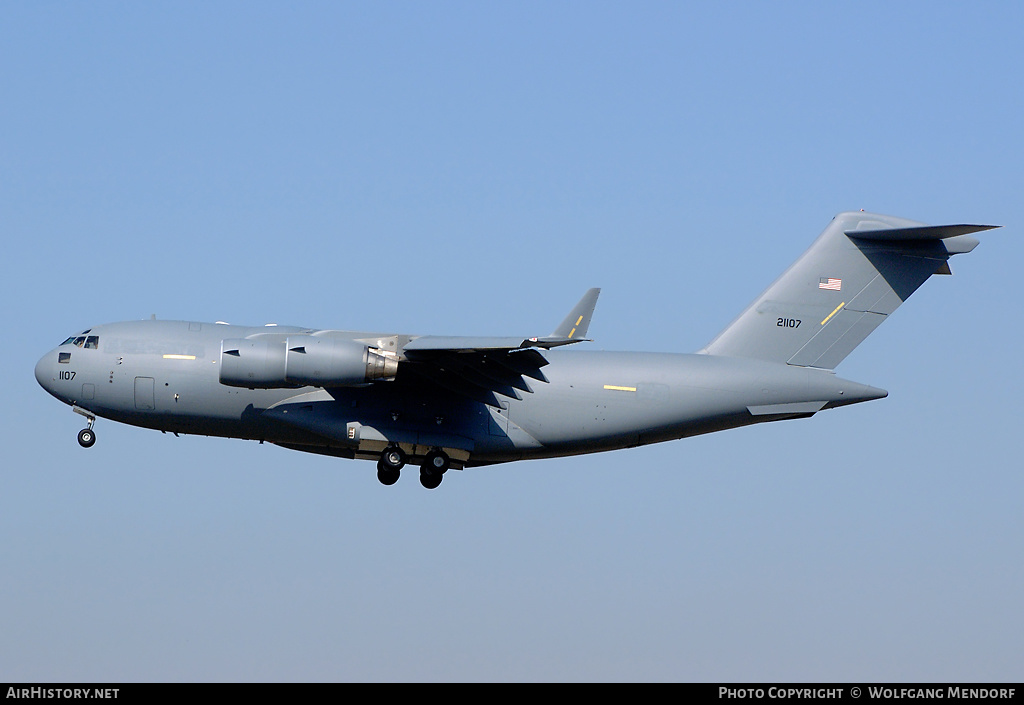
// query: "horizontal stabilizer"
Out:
[926,232]
[798,408]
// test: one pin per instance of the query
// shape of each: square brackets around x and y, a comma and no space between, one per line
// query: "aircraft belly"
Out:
[366,420]
[599,422]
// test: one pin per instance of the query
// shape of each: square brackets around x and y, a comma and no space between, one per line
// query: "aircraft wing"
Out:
[463,344]
[571,330]
[480,368]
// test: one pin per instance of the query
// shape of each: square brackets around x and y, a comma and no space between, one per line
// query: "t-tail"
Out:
[858,271]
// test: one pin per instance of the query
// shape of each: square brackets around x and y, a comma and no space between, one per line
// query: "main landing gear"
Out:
[435,464]
[86,437]
[390,465]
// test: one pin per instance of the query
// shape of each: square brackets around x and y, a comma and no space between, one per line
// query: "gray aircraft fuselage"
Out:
[450,402]
[164,375]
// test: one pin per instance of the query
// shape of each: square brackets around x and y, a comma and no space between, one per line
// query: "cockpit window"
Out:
[79,336]
[63,358]
[92,342]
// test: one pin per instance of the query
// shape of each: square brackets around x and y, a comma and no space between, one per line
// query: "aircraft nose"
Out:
[44,372]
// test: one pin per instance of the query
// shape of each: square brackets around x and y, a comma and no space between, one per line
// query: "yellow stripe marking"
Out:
[616,388]
[179,357]
[571,332]
[578,320]
[833,313]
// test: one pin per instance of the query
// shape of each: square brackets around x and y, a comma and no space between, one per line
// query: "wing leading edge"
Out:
[571,330]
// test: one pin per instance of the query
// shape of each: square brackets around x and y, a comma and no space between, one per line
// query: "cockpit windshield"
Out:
[83,340]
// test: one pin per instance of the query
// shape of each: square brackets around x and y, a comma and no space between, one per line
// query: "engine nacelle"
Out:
[321,361]
[256,363]
[302,360]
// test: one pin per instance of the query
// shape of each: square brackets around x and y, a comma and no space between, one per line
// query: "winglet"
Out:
[575,325]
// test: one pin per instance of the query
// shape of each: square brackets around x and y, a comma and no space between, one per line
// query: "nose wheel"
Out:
[86,437]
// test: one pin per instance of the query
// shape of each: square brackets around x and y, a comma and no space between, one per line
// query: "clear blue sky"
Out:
[472,168]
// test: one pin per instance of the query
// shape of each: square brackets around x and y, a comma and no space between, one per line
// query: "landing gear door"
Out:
[497,425]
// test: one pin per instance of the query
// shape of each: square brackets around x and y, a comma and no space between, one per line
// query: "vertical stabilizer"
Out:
[858,271]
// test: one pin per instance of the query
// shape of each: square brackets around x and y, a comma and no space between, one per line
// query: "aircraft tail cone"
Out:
[853,393]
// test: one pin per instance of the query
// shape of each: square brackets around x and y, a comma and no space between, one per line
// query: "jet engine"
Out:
[301,360]
[334,362]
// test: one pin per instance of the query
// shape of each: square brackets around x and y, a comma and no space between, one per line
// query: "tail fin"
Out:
[858,271]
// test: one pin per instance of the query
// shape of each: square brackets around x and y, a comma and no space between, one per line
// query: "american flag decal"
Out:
[830,284]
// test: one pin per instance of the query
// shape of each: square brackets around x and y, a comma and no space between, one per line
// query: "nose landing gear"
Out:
[86,437]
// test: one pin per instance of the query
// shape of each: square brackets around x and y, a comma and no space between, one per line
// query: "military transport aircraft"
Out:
[459,402]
